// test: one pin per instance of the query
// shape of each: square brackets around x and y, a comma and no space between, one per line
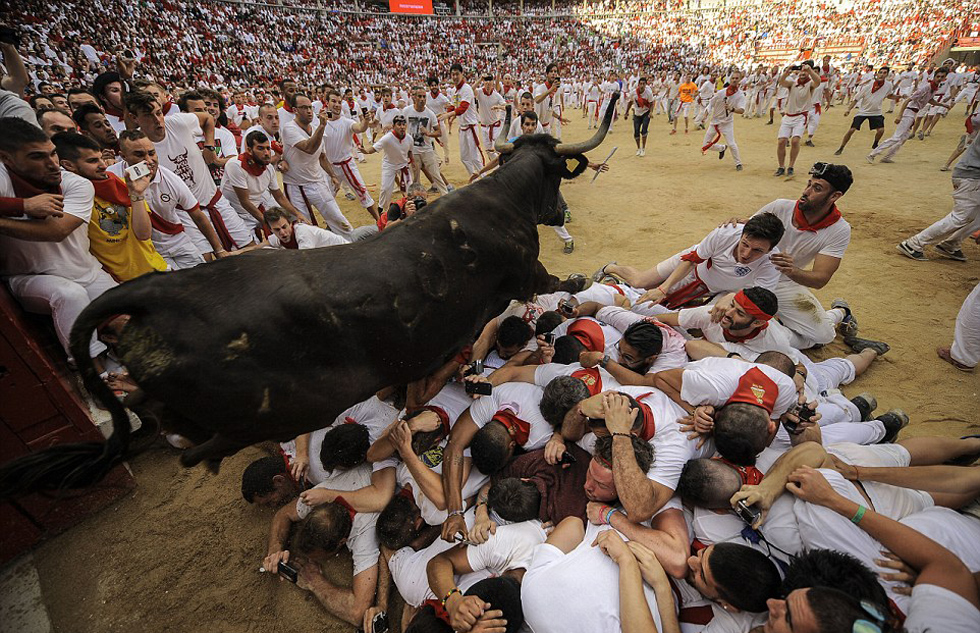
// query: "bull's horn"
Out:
[500,145]
[574,149]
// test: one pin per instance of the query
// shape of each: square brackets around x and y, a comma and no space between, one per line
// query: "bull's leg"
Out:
[545,282]
[212,451]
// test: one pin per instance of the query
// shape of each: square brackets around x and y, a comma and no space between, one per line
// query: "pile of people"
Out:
[656,445]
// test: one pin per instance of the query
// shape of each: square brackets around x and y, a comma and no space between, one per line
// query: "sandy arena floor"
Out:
[182,552]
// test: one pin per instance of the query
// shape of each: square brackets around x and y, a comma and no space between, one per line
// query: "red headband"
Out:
[749,306]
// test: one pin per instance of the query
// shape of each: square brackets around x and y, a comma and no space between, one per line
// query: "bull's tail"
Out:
[79,464]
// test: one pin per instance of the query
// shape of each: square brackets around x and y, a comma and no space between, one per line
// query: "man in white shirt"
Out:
[44,243]
[470,153]
[397,148]
[338,143]
[305,182]
[251,184]
[908,113]
[547,99]
[172,205]
[423,126]
[287,234]
[796,112]
[489,102]
[173,138]
[722,107]
[869,99]
[640,101]
[438,102]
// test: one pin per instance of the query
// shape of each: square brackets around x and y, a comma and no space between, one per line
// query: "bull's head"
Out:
[555,157]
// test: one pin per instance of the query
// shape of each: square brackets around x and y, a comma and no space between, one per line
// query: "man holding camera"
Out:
[338,144]
[423,126]
[547,98]
[305,182]
[796,108]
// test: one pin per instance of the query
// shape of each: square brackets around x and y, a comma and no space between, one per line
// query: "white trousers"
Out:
[470,153]
[966,336]
[488,136]
[63,299]
[890,146]
[232,229]
[182,253]
[800,311]
[714,133]
[966,211]
[813,121]
[318,194]
[347,171]
[391,178]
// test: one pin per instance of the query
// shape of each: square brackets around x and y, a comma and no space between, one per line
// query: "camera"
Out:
[380,623]
[746,513]
[478,388]
[8,35]
[128,54]
[288,572]
[567,458]
[475,368]
[549,338]
[137,171]
[419,203]
[566,308]
[795,67]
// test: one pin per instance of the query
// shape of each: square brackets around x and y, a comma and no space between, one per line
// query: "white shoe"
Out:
[638,152]
[643,152]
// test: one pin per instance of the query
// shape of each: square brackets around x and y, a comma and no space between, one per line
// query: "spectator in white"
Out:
[108,90]
[306,181]
[286,112]
[816,234]
[251,184]
[961,221]
[288,234]
[640,101]
[44,243]
[547,98]
[423,126]
[387,112]
[269,126]
[722,107]
[173,138]
[172,205]
[796,108]
[55,121]
[470,153]
[225,146]
[92,122]
[489,103]
[397,148]
[338,144]
[438,102]
[869,99]
[964,353]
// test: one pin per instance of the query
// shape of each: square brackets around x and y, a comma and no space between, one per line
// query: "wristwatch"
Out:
[605,361]
[209,147]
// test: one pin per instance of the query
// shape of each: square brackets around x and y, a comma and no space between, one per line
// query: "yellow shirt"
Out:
[114,244]
[687,92]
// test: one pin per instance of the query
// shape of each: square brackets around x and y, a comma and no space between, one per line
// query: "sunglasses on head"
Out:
[819,169]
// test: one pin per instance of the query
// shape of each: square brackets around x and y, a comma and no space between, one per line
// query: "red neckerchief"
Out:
[801,222]
[292,245]
[934,85]
[249,164]
[876,86]
[592,379]
[434,93]
[113,189]
[750,475]
[350,104]
[487,93]
[640,101]
[113,111]
[166,107]
[390,106]
[730,90]
[733,338]
[461,84]
[286,106]
[588,333]
[755,387]
[519,430]
[350,510]
[649,428]
[24,189]
[802,79]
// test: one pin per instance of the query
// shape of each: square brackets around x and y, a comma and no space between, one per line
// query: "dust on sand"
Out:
[182,552]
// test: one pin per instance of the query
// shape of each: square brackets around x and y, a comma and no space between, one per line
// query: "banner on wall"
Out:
[421,7]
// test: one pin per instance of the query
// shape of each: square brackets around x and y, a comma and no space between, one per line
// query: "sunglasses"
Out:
[819,169]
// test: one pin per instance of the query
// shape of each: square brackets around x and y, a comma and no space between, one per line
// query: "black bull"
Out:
[269,345]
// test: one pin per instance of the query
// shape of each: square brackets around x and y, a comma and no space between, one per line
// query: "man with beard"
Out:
[92,122]
[250,183]
[119,229]
[108,90]
[338,144]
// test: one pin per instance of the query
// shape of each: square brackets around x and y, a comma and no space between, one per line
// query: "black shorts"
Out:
[875,122]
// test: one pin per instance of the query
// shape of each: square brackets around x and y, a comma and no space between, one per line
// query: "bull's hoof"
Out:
[574,283]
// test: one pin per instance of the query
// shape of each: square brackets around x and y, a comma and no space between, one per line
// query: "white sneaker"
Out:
[643,152]
[638,152]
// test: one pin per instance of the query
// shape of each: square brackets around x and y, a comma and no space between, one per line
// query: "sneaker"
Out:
[568,216]
[951,253]
[643,152]
[849,326]
[789,172]
[433,189]
[769,123]
[569,247]
[780,172]
[866,404]
[721,154]
[904,248]
[887,160]
[809,143]
[450,188]
[601,275]
[921,135]
[870,158]
[945,168]
[738,168]
[858,345]
[350,196]
[637,151]
[575,283]
[893,421]
[839,152]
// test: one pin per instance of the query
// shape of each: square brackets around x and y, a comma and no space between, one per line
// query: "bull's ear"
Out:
[567,173]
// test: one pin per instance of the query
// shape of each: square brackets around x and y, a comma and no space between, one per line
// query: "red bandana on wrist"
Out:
[801,222]
[250,165]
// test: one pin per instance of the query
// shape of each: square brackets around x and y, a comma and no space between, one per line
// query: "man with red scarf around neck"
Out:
[546,97]
[870,97]
[44,243]
[640,101]
[722,107]
[923,96]
[816,236]
[470,153]
[120,229]
[796,108]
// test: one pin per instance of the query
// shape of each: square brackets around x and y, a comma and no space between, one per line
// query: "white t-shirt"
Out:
[363,539]
[522,399]
[673,353]
[646,95]
[771,338]
[718,269]
[799,98]
[546,108]
[304,169]
[307,236]
[485,103]
[780,529]
[515,129]
[804,245]
[373,413]
[337,139]
[715,380]
[869,103]
[395,151]
[934,609]
[258,187]
[179,153]
[465,94]
[70,258]
[722,106]
[418,123]
[509,548]
[436,103]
